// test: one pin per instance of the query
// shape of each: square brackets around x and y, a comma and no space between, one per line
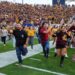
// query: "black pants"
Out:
[3,39]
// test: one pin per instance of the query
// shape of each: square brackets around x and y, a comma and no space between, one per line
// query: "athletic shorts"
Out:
[60,46]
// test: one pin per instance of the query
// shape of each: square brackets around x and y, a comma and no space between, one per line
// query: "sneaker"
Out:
[66,56]
[18,64]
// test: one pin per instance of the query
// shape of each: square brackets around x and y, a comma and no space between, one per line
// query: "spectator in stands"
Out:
[4,35]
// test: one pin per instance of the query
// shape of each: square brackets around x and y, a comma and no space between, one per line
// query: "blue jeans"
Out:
[46,48]
[68,41]
[39,38]
[31,41]
[21,51]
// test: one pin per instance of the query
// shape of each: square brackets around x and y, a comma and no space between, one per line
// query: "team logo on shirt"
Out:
[22,36]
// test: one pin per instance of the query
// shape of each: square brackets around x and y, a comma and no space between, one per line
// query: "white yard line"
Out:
[35,59]
[10,57]
[2,74]
[42,70]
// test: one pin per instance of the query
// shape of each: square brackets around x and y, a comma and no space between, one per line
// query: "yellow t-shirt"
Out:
[31,32]
[54,30]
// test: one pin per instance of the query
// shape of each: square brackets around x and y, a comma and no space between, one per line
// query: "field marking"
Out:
[10,57]
[42,70]
[35,59]
[2,74]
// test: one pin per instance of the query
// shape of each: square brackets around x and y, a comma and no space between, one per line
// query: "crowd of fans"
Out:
[10,12]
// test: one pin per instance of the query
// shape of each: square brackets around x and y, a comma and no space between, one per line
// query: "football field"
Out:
[37,64]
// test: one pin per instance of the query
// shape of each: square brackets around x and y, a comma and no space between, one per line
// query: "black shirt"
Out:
[20,37]
[72,28]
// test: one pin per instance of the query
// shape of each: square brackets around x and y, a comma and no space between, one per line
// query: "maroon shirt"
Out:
[59,36]
[44,36]
[72,28]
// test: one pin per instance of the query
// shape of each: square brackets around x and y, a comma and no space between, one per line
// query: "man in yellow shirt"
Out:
[31,34]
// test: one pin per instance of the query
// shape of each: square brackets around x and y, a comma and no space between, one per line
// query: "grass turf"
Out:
[52,64]
[9,46]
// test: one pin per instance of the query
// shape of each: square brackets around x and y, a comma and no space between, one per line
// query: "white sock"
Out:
[55,50]
[66,55]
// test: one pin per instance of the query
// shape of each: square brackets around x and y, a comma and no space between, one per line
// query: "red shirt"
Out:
[44,36]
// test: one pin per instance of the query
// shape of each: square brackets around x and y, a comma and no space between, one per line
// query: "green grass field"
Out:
[52,64]
[9,46]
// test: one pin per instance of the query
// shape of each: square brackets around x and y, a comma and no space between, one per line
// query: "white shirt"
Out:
[4,32]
